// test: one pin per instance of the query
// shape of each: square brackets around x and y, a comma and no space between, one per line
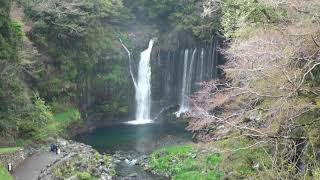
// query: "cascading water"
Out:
[183,108]
[190,75]
[130,68]
[201,65]
[187,80]
[143,88]
[176,74]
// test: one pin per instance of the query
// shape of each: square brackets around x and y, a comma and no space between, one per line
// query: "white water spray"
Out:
[143,88]
[186,84]
[183,107]
[190,75]
[202,62]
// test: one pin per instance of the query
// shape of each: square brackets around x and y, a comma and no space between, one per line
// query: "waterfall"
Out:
[186,82]
[130,67]
[143,88]
[176,73]
[211,59]
[214,62]
[183,108]
[167,77]
[201,65]
[189,80]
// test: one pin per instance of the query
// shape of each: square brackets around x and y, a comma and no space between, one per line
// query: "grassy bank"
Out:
[59,122]
[224,159]
[184,162]
[64,119]
[55,125]
[4,174]
[9,150]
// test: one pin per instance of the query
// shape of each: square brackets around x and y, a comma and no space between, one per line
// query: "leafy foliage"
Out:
[38,117]
[179,15]
[13,101]
[246,13]
[59,123]
[83,52]
[80,64]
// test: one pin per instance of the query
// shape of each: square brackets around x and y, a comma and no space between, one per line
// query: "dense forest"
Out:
[64,70]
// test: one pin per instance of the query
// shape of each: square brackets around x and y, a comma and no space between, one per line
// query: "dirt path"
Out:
[31,168]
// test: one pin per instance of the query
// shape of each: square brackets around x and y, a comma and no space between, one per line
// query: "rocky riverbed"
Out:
[134,166]
[130,146]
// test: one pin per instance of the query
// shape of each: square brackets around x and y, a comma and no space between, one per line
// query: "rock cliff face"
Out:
[178,27]
[168,62]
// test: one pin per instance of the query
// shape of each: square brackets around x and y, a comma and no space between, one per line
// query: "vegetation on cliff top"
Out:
[177,15]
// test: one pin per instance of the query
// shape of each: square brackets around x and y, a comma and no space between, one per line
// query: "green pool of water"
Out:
[139,138]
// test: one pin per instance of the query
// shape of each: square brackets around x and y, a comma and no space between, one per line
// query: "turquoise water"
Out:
[139,138]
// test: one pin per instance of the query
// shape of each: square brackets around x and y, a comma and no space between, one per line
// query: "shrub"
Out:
[172,159]
[84,176]
[106,159]
[196,175]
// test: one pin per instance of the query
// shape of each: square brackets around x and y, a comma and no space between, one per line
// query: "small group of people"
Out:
[55,148]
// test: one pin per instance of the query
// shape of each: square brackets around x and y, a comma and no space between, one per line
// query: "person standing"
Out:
[58,150]
[9,167]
